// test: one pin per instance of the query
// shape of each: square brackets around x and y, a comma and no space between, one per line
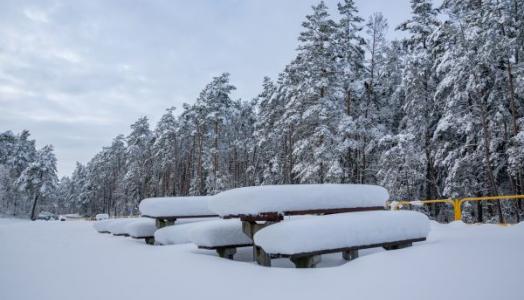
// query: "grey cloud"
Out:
[77,73]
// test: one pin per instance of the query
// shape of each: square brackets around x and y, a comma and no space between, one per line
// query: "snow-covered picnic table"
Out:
[166,210]
[261,206]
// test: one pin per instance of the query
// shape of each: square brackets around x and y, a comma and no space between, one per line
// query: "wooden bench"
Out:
[223,236]
[304,240]
[226,251]
[311,259]
[142,228]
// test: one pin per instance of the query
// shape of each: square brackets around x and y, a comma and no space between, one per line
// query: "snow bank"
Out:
[178,233]
[219,233]
[342,230]
[281,198]
[458,261]
[175,206]
[141,228]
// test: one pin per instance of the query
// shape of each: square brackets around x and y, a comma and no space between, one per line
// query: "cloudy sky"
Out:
[77,73]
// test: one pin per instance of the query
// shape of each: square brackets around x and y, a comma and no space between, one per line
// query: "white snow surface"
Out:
[175,206]
[178,233]
[141,228]
[342,230]
[281,198]
[219,233]
[62,260]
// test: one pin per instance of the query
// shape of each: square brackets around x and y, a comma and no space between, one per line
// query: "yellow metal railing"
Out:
[457,203]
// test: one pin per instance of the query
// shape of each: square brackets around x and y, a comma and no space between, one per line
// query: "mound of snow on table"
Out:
[219,233]
[342,231]
[298,197]
[175,206]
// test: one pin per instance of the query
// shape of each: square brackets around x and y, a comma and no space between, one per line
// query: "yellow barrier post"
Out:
[457,209]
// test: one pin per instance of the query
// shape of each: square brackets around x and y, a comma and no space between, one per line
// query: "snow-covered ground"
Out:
[70,260]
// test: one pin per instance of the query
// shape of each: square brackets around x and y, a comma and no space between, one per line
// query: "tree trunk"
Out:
[487,154]
[33,210]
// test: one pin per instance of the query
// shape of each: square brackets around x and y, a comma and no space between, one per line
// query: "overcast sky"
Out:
[77,73]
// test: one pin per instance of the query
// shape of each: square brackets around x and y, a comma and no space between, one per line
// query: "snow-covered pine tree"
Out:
[316,108]
[138,164]
[421,115]
[165,154]
[38,180]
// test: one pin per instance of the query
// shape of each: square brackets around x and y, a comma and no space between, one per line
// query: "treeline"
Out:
[27,175]
[437,114]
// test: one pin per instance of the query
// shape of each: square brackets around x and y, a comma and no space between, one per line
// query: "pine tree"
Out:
[39,179]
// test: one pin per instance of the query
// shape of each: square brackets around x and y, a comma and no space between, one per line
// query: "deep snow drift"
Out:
[70,260]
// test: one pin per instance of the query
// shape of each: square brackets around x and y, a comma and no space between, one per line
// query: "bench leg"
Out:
[226,252]
[261,257]
[160,223]
[350,254]
[250,228]
[305,261]
[398,246]
[150,240]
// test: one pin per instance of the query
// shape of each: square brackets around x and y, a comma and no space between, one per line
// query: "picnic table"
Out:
[166,210]
[261,206]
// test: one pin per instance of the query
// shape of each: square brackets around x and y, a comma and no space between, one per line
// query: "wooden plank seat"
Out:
[304,240]
[226,251]
[223,236]
[311,259]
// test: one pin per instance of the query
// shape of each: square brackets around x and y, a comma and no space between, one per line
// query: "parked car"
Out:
[47,216]
[62,218]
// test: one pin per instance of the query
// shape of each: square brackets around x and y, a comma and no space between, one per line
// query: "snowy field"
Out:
[70,260]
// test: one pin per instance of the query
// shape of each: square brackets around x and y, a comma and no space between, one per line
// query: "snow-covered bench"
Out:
[118,226]
[102,226]
[173,235]
[142,228]
[304,240]
[114,226]
[223,236]
[166,210]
